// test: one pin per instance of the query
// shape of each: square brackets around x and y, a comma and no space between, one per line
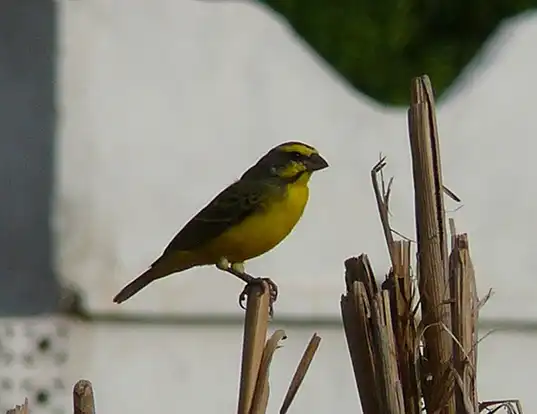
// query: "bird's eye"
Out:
[295,155]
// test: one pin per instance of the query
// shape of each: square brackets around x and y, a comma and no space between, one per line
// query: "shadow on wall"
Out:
[27,134]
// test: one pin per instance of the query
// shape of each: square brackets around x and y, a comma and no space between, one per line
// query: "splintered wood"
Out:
[257,354]
[19,409]
[413,340]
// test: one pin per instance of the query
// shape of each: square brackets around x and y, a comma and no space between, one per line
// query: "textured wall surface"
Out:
[196,368]
[204,378]
[163,106]
[27,133]
[35,362]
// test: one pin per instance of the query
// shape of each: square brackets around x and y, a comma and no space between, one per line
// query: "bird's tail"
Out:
[158,270]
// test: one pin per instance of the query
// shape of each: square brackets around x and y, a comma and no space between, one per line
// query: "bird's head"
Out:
[290,161]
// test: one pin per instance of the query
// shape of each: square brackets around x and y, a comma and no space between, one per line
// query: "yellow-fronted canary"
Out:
[248,218]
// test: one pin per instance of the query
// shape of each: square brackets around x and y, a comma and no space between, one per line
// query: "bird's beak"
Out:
[316,163]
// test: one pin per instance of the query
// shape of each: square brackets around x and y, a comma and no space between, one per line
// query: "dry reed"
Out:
[404,364]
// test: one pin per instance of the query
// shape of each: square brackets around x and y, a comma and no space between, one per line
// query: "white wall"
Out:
[164,105]
[197,369]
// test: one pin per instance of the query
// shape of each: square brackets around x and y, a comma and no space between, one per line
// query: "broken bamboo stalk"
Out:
[432,244]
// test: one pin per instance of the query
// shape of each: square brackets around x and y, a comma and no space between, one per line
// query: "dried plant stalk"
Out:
[400,286]
[510,406]
[367,320]
[355,310]
[19,409]
[261,394]
[255,333]
[382,204]
[388,385]
[401,364]
[83,400]
[464,316]
[300,372]
[432,248]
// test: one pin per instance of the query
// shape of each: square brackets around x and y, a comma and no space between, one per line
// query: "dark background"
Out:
[27,133]
[379,45]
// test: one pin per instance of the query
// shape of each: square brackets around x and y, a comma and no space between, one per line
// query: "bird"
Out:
[246,220]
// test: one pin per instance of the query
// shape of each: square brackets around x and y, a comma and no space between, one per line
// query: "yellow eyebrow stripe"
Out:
[297,147]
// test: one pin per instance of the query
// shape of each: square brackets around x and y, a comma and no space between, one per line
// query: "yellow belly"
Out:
[260,232]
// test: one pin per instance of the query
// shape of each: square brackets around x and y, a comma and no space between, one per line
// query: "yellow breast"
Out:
[262,231]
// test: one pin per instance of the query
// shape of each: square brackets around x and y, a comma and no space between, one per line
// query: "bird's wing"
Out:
[227,209]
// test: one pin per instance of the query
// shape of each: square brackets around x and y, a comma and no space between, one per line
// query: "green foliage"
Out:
[379,45]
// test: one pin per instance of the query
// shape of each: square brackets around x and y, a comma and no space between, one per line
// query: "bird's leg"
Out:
[238,267]
[237,270]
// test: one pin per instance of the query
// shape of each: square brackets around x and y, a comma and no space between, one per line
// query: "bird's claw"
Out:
[273,288]
[237,269]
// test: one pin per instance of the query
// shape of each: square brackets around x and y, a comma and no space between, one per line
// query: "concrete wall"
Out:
[196,368]
[163,106]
